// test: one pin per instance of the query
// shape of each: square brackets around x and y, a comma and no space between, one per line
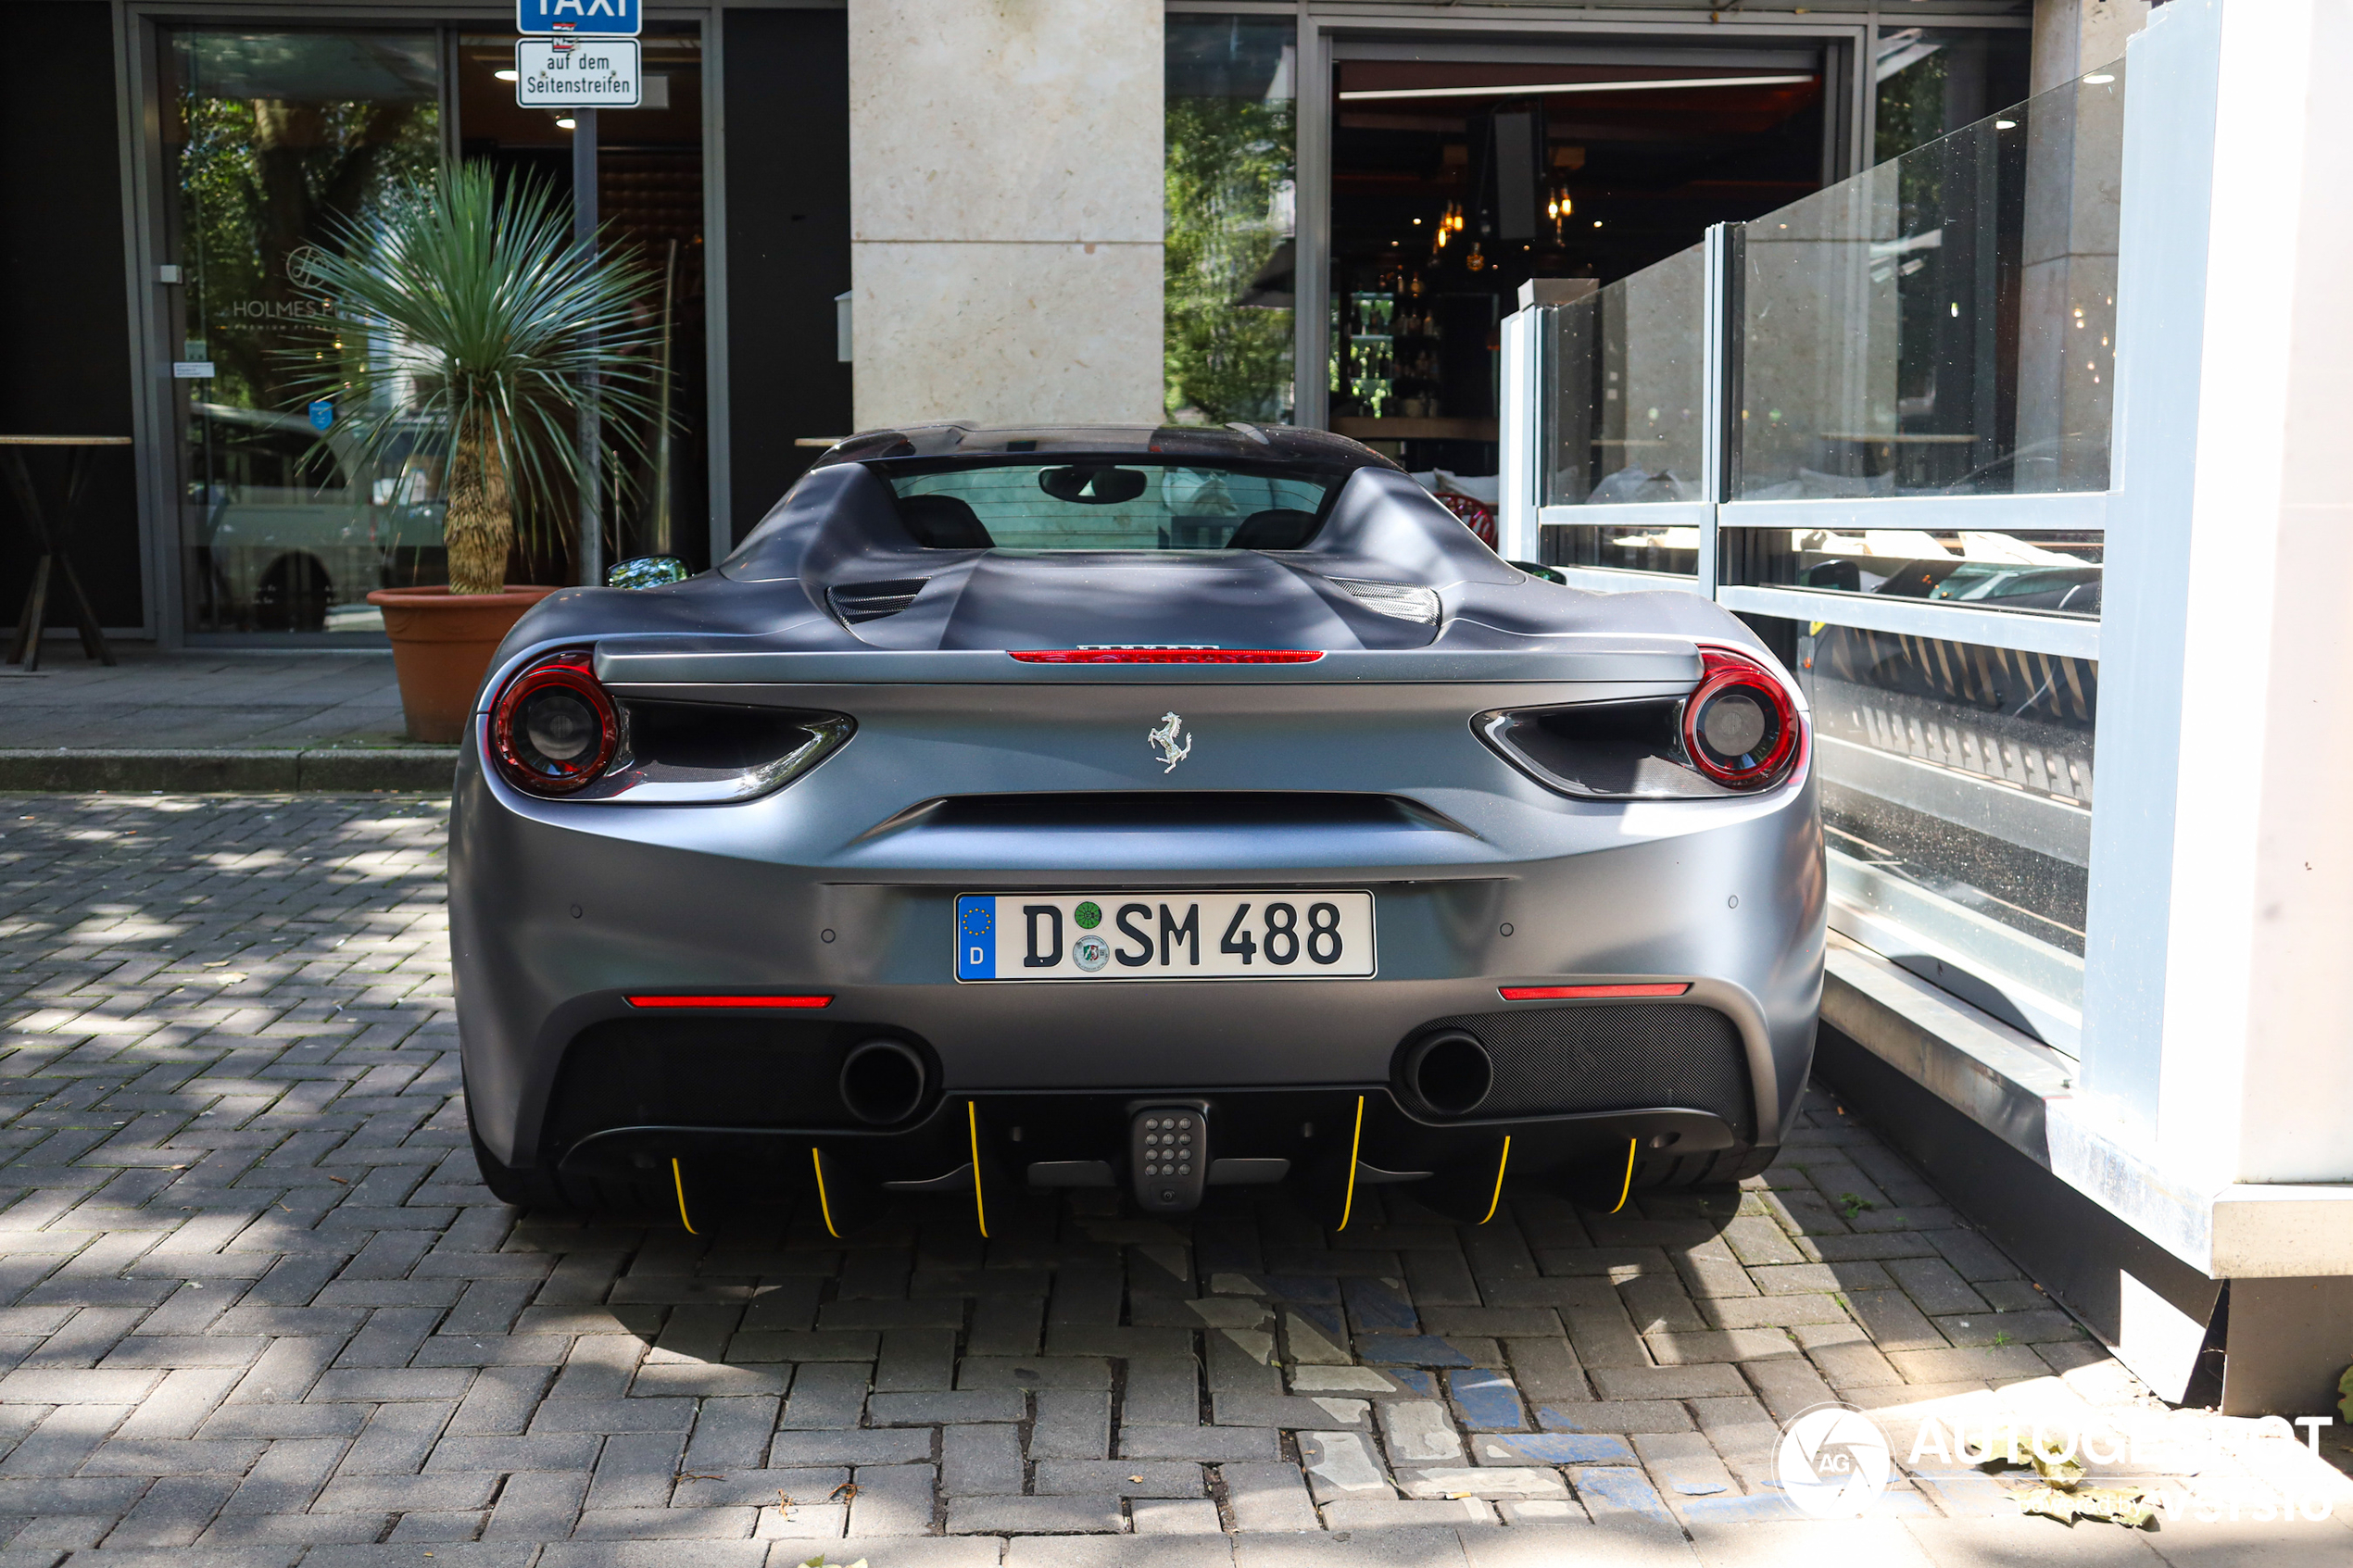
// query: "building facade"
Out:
[871,213]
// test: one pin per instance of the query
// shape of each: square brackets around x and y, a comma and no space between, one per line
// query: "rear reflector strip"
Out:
[729,1001]
[1560,993]
[1167,655]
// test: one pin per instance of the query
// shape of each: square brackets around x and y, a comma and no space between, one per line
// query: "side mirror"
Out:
[647,571]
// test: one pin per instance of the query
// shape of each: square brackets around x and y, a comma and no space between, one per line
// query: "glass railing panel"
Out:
[1622,381]
[1944,323]
[1957,804]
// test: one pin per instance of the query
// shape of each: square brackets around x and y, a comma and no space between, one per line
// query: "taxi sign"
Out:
[612,18]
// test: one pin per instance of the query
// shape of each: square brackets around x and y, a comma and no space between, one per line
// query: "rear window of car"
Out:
[1107,502]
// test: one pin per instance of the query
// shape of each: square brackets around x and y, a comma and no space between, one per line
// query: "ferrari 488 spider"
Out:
[1161,810]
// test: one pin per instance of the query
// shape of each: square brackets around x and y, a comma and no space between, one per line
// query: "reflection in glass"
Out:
[1631,547]
[2040,571]
[1232,163]
[1956,796]
[1934,81]
[1624,389]
[1943,324]
[269,139]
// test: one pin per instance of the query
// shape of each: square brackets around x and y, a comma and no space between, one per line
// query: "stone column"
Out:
[1005,202]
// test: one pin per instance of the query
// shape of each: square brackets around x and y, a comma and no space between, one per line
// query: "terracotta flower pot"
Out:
[441,646]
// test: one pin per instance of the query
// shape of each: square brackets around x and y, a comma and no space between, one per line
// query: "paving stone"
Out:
[1150,1516]
[1419,1432]
[1615,1415]
[1207,1445]
[1487,1399]
[1121,1477]
[1893,1321]
[1162,1391]
[1933,1286]
[1161,1550]
[1266,1498]
[1695,1381]
[1071,1424]
[1342,1464]
[1034,1517]
[1482,1481]
[1550,1447]
[1376,1514]
[980,1460]
[892,1500]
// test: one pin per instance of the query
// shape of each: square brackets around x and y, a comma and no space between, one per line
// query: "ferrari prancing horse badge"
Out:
[1164,738]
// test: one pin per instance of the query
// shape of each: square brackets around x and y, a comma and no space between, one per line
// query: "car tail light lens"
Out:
[1737,732]
[554,728]
[1740,727]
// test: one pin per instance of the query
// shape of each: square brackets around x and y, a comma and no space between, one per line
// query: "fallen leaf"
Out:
[339,1179]
[843,1493]
[1135,1478]
[689,1476]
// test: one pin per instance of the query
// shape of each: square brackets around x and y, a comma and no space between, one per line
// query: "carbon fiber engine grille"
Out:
[1608,1057]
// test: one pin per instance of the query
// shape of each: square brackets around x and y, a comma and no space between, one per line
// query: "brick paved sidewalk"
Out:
[256,1310]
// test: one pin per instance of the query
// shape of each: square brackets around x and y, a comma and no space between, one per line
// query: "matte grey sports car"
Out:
[1120,807]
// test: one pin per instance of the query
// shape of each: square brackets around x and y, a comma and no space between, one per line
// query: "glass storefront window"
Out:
[1931,81]
[1628,547]
[2054,572]
[1231,171]
[1944,324]
[1957,801]
[1624,367]
[272,138]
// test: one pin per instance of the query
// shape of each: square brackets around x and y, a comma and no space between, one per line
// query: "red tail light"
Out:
[1168,656]
[753,1001]
[553,729]
[1740,726]
[1569,993]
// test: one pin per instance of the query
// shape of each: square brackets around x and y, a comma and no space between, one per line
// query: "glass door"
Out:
[272,139]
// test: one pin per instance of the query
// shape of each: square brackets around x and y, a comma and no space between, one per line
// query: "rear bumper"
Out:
[558,916]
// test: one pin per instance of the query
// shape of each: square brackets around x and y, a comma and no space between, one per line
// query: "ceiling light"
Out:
[1531,89]
[2005,125]
[2098,79]
[505,75]
[566,124]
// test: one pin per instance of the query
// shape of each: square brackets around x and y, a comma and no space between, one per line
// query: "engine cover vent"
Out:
[855,602]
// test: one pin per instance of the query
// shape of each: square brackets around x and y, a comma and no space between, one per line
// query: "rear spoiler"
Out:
[704,661]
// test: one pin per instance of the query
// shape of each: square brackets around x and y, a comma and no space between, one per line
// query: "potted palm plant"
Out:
[468,308]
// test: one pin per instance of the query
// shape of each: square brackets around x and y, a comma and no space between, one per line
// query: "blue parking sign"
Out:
[322,414]
[610,19]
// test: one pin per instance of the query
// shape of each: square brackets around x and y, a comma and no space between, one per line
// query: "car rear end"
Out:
[788,922]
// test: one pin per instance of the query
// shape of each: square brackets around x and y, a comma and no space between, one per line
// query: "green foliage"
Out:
[1229,166]
[467,306]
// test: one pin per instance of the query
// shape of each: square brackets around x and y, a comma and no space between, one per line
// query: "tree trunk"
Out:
[480,525]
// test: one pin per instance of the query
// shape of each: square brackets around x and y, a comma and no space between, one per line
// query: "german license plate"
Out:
[1256,935]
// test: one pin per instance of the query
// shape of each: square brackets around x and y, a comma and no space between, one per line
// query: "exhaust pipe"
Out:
[1449,1071]
[882,1082]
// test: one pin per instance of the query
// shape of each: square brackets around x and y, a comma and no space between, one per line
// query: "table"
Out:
[52,537]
